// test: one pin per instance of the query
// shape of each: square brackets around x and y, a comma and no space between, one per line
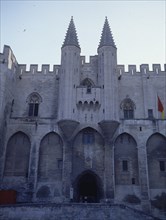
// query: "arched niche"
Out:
[126,160]
[50,158]
[88,152]
[88,187]
[17,155]
[156,159]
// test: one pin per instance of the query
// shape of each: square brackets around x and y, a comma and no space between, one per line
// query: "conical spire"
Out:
[106,36]
[71,36]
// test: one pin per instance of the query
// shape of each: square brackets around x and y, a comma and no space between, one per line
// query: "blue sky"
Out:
[35,30]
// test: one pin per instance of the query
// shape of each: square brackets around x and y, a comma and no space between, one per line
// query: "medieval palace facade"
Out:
[83,132]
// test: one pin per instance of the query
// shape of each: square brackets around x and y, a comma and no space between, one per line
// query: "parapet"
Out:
[143,69]
[92,59]
[34,69]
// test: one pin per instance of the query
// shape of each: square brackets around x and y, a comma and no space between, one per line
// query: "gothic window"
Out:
[128,107]
[34,100]
[88,83]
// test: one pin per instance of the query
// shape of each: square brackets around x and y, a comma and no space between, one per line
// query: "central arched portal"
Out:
[87,188]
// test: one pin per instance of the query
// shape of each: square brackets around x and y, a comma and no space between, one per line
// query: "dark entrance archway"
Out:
[87,188]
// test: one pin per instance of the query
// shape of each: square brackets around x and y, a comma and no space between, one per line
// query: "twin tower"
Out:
[88,91]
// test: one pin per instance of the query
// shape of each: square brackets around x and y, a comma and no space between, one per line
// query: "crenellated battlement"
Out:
[8,59]
[34,69]
[143,69]
[92,59]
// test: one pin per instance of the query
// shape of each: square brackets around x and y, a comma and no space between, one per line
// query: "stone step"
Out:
[71,211]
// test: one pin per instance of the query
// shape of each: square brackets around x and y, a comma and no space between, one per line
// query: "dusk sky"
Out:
[35,30]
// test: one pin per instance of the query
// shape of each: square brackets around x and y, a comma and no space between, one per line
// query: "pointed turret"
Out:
[69,79]
[71,36]
[106,36]
[107,63]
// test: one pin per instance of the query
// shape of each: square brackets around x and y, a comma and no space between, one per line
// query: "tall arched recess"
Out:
[88,164]
[156,158]
[88,152]
[126,166]
[50,158]
[17,155]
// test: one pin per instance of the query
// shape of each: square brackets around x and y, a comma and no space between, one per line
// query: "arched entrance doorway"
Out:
[87,188]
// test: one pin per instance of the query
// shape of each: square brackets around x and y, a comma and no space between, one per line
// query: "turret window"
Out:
[33,100]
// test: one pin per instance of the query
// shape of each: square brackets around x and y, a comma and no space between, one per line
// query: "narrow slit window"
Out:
[162,165]
[125,165]
[133,181]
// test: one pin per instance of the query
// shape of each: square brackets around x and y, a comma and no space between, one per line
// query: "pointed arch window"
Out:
[34,99]
[128,108]
[88,83]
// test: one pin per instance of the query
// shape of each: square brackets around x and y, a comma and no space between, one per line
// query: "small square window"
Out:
[150,113]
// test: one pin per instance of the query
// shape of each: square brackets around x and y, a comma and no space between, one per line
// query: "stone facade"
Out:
[83,132]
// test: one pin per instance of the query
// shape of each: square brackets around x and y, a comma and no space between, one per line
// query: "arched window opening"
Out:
[34,100]
[128,107]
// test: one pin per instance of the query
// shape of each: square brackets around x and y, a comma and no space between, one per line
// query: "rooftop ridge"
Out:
[71,38]
[106,36]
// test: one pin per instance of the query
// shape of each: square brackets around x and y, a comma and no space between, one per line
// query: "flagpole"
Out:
[157,105]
